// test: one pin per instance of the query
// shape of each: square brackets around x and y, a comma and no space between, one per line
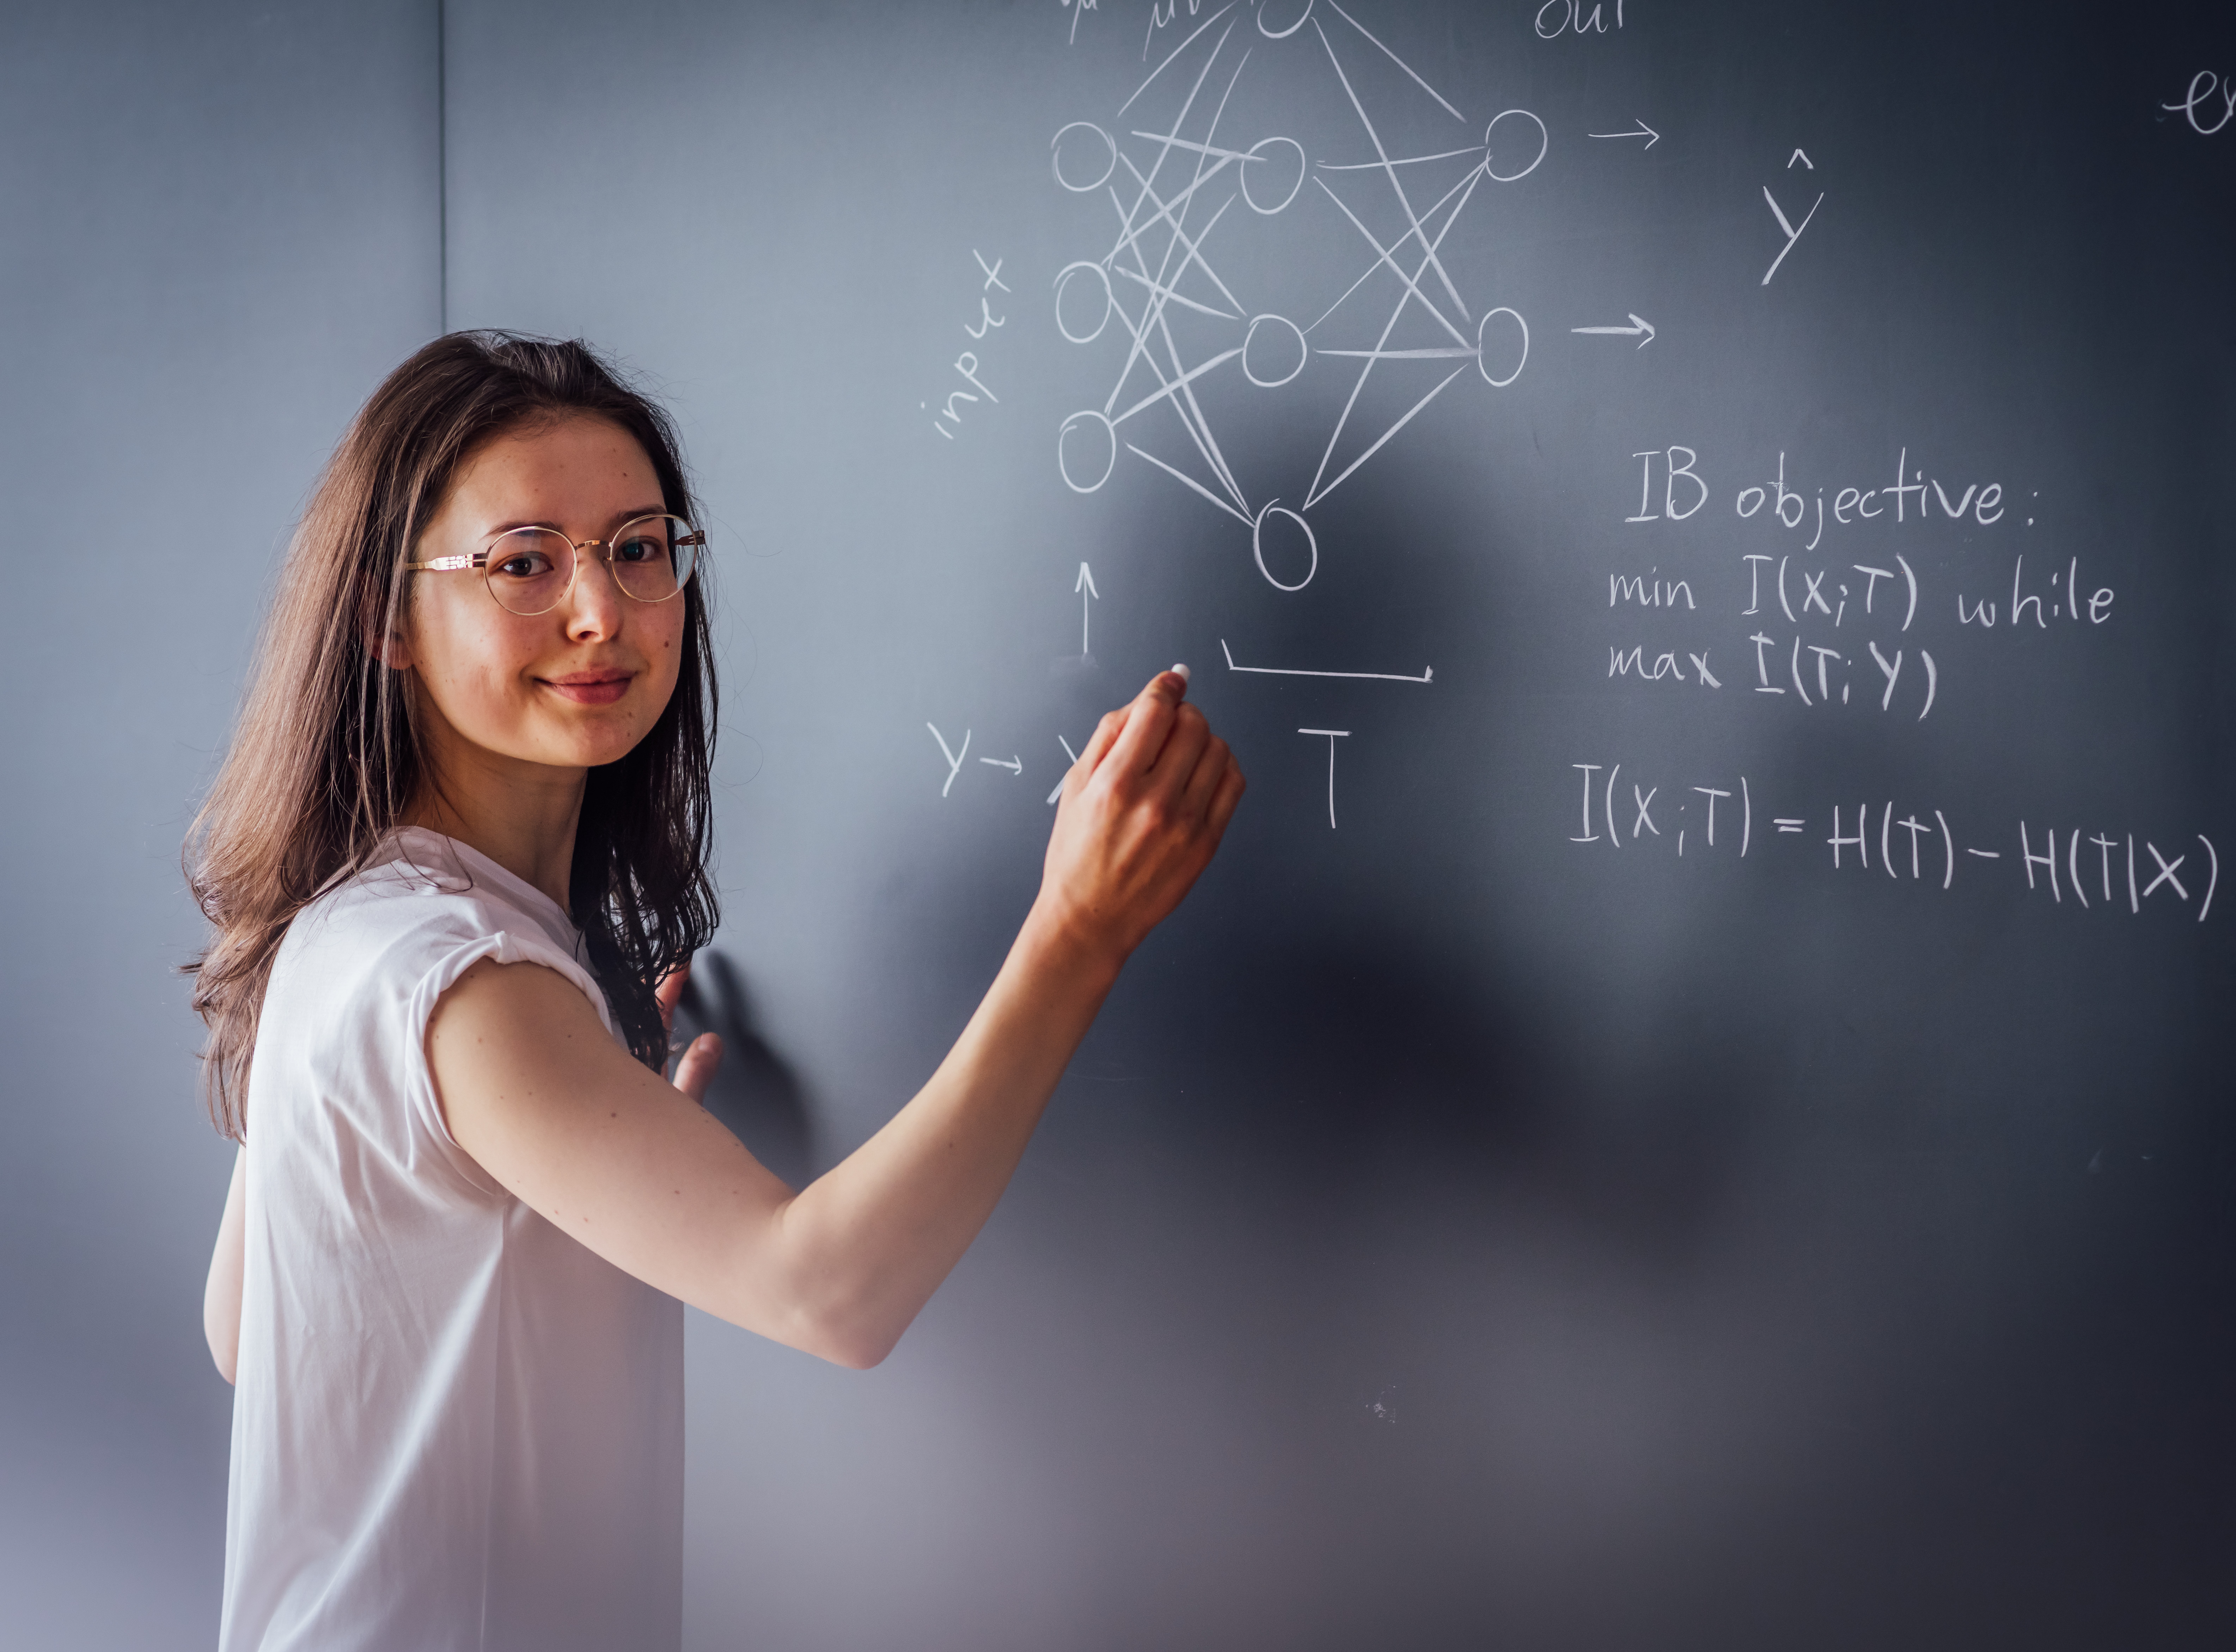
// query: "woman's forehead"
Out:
[577,463]
[580,447]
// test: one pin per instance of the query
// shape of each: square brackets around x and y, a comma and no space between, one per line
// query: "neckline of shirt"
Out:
[414,841]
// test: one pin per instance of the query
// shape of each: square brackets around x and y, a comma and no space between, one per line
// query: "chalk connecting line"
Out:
[1283,671]
[1171,194]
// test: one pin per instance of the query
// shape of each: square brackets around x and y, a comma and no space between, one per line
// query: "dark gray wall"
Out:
[220,229]
[1452,1235]
[1748,1254]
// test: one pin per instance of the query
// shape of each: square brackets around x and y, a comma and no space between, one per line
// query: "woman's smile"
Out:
[600,686]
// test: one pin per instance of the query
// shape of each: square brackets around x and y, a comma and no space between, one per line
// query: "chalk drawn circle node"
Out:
[1063,279]
[1281,324]
[1283,34]
[1490,143]
[1087,419]
[1055,157]
[1483,347]
[1274,507]
[1256,154]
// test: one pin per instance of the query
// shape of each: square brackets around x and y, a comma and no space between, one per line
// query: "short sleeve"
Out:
[506,946]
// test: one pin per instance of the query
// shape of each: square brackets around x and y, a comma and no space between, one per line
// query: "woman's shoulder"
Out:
[340,1042]
[425,906]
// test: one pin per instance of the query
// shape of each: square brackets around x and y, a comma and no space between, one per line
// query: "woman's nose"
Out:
[595,601]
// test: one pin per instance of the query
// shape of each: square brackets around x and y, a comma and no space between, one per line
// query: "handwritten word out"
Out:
[1558,17]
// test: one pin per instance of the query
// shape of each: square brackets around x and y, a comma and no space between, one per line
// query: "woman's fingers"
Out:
[1143,810]
[1209,774]
[696,1070]
[1099,743]
[1231,787]
[1185,745]
[1097,747]
[1158,699]
[1148,723]
[670,991]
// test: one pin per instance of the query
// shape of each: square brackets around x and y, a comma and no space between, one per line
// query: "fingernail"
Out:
[1181,672]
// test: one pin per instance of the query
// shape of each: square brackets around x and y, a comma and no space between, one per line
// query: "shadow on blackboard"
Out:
[755,1092]
[1384,1067]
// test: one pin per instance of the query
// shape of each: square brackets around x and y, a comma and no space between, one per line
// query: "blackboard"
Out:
[1692,1109]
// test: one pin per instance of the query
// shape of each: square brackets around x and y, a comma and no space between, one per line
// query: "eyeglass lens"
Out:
[530,568]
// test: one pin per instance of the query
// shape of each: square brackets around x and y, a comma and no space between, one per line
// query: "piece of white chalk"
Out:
[1181,672]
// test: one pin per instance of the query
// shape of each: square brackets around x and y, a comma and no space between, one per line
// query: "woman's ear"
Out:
[391,647]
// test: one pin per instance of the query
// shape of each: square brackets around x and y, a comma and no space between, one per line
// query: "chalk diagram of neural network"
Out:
[1174,192]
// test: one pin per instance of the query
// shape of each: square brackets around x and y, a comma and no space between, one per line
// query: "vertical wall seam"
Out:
[442,166]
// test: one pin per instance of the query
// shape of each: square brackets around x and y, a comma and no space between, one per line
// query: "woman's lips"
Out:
[590,687]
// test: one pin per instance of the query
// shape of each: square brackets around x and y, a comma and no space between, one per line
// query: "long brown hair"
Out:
[328,753]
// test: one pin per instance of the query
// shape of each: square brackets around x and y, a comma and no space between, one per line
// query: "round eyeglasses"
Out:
[529,570]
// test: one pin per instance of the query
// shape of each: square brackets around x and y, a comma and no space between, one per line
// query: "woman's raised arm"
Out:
[545,1102]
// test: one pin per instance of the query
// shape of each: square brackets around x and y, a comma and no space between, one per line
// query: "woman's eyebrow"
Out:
[619,519]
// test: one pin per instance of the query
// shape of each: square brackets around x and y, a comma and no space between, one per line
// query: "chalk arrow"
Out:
[1801,159]
[1639,324]
[1644,131]
[1015,765]
[1084,588]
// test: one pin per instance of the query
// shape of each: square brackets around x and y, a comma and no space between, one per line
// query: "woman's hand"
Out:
[695,1069]
[1142,812]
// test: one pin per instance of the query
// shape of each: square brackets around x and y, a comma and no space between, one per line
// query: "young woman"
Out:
[455,861]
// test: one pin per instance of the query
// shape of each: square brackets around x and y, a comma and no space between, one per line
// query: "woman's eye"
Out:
[640,549]
[522,564]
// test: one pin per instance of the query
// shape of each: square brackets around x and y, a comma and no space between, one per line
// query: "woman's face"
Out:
[571,688]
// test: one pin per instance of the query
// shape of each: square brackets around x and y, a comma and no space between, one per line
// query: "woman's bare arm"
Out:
[537,1093]
[221,1291]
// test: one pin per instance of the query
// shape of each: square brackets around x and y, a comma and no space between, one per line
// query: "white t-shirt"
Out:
[454,1427]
